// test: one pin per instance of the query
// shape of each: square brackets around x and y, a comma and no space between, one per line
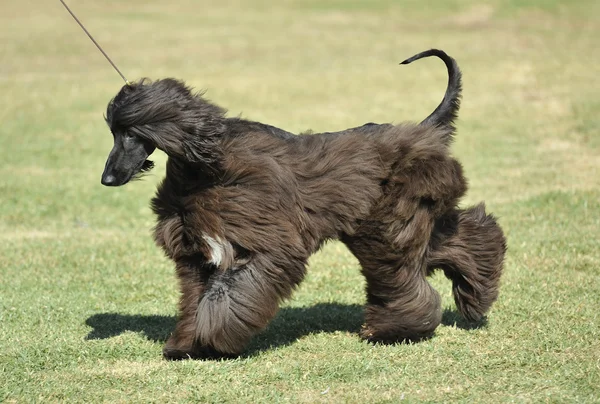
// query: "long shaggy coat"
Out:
[244,205]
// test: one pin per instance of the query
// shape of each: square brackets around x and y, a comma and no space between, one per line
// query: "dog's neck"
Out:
[186,178]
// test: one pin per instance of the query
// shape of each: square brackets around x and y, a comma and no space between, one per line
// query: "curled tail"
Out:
[445,113]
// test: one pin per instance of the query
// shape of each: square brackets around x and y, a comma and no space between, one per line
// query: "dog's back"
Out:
[325,184]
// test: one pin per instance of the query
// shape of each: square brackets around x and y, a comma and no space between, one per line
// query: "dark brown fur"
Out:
[244,205]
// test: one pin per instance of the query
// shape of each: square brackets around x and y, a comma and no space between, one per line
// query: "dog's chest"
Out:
[187,227]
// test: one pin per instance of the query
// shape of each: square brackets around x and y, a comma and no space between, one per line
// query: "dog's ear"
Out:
[182,141]
[162,136]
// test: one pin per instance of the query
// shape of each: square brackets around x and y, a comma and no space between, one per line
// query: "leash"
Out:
[127,82]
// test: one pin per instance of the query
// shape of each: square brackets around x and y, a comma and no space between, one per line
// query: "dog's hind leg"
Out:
[403,307]
[401,304]
[469,246]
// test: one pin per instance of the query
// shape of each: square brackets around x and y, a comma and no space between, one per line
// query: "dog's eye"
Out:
[128,135]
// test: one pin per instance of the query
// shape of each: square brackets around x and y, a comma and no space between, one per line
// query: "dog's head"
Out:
[163,114]
[127,159]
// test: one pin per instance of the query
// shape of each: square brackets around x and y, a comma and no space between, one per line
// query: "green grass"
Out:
[87,300]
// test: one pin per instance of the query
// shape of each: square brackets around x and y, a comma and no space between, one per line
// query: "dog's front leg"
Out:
[220,314]
[182,343]
[238,303]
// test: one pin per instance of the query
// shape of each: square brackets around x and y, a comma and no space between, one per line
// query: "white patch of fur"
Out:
[220,250]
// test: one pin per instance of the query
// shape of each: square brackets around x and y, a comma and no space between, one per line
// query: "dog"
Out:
[244,205]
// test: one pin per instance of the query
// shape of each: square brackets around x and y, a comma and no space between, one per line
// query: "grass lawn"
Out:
[87,300]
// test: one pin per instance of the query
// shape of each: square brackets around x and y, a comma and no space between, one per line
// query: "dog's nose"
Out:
[108,180]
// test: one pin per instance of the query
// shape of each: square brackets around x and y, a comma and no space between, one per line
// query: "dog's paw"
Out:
[389,337]
[177,354]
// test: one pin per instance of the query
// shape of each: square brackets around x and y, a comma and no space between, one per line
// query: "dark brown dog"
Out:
[244,205]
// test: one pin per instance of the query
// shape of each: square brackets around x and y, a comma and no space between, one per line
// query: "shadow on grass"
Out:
[452,318]
[295,322]
[107,325]
[290,324]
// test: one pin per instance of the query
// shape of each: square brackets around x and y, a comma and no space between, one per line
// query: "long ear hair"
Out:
[169,115]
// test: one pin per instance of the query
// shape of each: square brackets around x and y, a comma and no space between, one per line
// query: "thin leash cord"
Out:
[95,43]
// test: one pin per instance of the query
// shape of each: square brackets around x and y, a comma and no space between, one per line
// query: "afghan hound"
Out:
[244,205]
